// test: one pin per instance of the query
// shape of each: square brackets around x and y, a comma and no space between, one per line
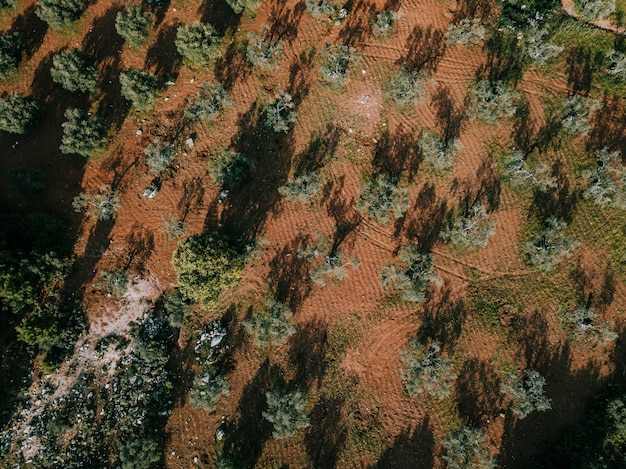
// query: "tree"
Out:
[607,183]
[139,87]
[596,9]
[101,204]
[239,6]
[208,389]
[472,230]
[206,265]
[230,169]
[11,47]
[384,23]
[82,134]
[412,276]
[467,31]
[286,411]
[575,113]
[338,58]
[536,47]
[527,394]
[406,88]
[438,151]
[326,261]
[60,14]
[279,114]
[139,452]
[133,23]
[262,51]
[160,156]
[381,196]
[427,371]
[519,171]
[272,325]
[198,43]
[6,4]
[74,71]
[616,63]
[301,188]
[18,113]
[467,448]
[550,245]
[491,101]
[321,8]
[584,324]
[211,100]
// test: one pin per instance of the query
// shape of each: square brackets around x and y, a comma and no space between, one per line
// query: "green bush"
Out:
[467,448]
[239,6]
[101,204]
[384,23]
[472,230]
[198,43]
[326,261]
[230,169]
[302,188]
[437,151]
[584,324]
[207,265]
[154,339]
[286,411]
[607,183]
[133,23]
[139,452]
[425,370]
[11,47]
[338,59]
[492,101]
[321,8]
[114,282]
[527,394]
[596,9]
[412,276]
[262,51]
[82,134]
[173,227]
[60,14]
[406,88]
[211,100]
[139,87]
[207,390]
[383,196]
[467,31]
[74,71]
[279,114]
[272,325]
[176,307]
[549,246]
[160,156]
[18,113]
[519,172]
[616,63]
[536,47]
[576,111]
[6,4]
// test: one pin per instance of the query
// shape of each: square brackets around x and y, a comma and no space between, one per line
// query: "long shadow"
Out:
[193,196]
[158,8]
[425,48]
[162,56]
[343,211]
[396,153]
[286,20]
[426,219]
[290,274]
[139,244]
[414,447]
[32,29]
[357,26]
[482,9]
[580,70]
[219,15]
[321,147]
[308,353]
[504,62]
[300,75]
[450,118]
[232,66]
[478,393]
[489,186]
[560,201]
[443,319]
[325,437]
[608,126]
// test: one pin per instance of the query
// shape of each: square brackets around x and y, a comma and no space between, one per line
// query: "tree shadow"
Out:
[443,319]
[450,118]
[478,393]
[596,284]
[414,447]
[326,435]
[608,126]
[580,70]
[162,56]
[397,153]
[138,247]
[290,274]
[159,9]
[357,25]
[119,168]
[560,201]
[232,66]
[426,220]
[192,198]
[321,147]
[286,20]
[211,10]
[300,74]
[31,29]
[101,42]
[307,353]
[489,186]
[343,211]
[482,9]
[505,62]
[425,48]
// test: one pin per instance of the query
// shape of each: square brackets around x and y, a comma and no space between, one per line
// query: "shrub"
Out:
[211,100]
[439,152]
[11,47]
[607,183]
[208,389]
[472,230]
[326,261]
[576,111]
[301,188]
[154,339]
[139,87]
[198,43]
[82,134]
[596,9]
[24,182]
[160,156]
[338,59]
[427,371]
[385,22]
[535,46]
[520,173]
[584,324]
[239,6]
[279,114]
[492,101]
[101,204]
[132,23]
[59,14]
[114,282]
[286,411]
[6,4]
[467,448]
[549,246]
[381,196]
[272,325]
[262,51]
[207,265]
[176,307]
[406,88]
[467,31]
[173,227]
[413,276]
[616,63]
[321,8]
[527,394]
[18,113]
[230,169]
[139,452]
[74,71]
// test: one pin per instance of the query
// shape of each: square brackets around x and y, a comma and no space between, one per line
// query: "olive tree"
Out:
[74,71]
[412,275]
[467,448]
[160,156]
[472,230]
[210,100]
[438,151]
[384,23]
[550,245]
[230,169]
[133,23]
[262,51]
[527,393]
[6,4]
[198,43]
[426,371]
[518,170]
[207,389]
[101,204]
[279,114]
[286,412]
[338,58]
[239,6]
[83,134]
[583,323]
[139,87]
[607,182]
[575,113]
[616,63]
[18,113]
[467,31]
[492,101]
[327,261]
[272,325]
[596,9]
[302,188]
[381,197]
[60,14]
[11,47]
[406,88]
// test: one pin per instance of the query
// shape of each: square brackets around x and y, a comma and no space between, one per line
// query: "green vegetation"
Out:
[279,114]
[11,46]
[272,325]
[550,245]
[139,87]
[83,134]
[133,24]
[472,230]
[412,276]
[468,31]
[338,58]
[492,101]
[381,196]
[384,23]
[468,448]
[239,6]
[576,111]
[18,113]
[198,43]
[286,412]
[527,394]
[60,14]
[302,188]
[160,156]
[426,371]
[114,282]
[211,100]
[406,88]
[596,9]
[74,71]
[520,172]
[101,204]
[607,183]
[230,169]
[7,4]
[326,261]
[438,151]
[207,390]
[262,51]
[323,8]
[583,323]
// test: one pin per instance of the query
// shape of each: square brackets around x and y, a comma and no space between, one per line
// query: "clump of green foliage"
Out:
[607,182]
[82,134]
[382,196]
[206,264]
[302,188]
[114,282]
[438,151]
[272,325]
[518,170]
[492,101]
[18,113]
[286,412]
[535,44]
[338,58]
[412,276]
[527,394]
[467,31]
[239,6]
[60,14]
[550,245]
[324,8]
[176,307]
[6,4]
[384,23]
[74,71]
[133,23]
[139,87]
[326,261]
[101,204]
[198,43]
[576,111]
[262,51]
[11,46]
[596,9]
[208,389]
[467,448]
[583,323]
[160,156]
[230,169]
[426,371]
[406,88]
[211,100]
[279,114]
[472,230]
[616,63]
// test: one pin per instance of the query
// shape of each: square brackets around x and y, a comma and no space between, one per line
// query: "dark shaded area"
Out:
[159,8]
[396,153]
[580,70]
[138,247]
[426,219]
[193,196]
[290,274]
[425,48]
[505,61]
[307,353]
[162,56]
[450,117]
[356,27]
[560,201]
[489,187]
[482,9]
[325,437]
[286,20]
[413,447]
[321,147]
[232,66]
[31,29]
[443,319]
[343,211]
[596,284]
[478,393]
[219,15]
[608,127]
[300,74]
